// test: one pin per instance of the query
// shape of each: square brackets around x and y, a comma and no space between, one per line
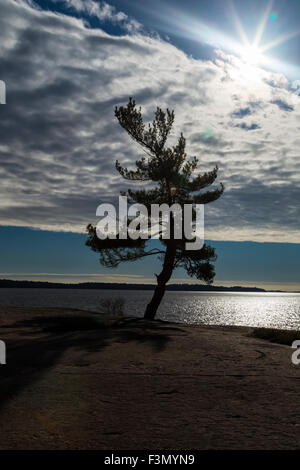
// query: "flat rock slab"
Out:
[143,385]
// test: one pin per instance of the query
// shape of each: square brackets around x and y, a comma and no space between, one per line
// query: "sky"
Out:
[228,69]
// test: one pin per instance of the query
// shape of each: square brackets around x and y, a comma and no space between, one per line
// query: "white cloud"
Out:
[103,11]
[59,138]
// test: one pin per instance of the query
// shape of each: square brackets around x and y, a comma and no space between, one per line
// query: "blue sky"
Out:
[66,65]
[173,17]
[196,26]
[63,257]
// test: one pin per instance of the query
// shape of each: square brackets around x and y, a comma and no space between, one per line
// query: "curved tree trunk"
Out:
[162,280]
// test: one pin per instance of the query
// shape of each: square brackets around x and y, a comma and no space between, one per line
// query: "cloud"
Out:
[240,113]
[248,127]
[103,11]
[283,105]
[59,138]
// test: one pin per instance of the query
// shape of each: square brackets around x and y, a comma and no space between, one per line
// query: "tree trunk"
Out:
[162,280]
[155,301]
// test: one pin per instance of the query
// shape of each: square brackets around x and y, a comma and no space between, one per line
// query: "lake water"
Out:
[218,308]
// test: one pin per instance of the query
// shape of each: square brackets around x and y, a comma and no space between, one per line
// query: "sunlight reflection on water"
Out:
[247,309]
[258,309]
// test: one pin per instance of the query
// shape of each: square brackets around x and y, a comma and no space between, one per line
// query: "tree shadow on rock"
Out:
[41,341]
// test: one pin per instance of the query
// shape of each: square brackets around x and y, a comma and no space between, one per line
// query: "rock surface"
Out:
[143,385]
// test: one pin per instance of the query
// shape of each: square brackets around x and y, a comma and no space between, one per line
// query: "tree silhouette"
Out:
[172,171]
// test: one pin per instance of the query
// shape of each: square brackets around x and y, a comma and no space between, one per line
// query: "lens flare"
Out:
[207,134]
[273,16]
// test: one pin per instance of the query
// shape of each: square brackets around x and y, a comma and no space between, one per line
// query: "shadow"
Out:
[38,343]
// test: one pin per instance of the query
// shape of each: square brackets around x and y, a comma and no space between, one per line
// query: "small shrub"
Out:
[113,306]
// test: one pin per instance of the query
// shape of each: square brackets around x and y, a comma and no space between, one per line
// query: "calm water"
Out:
[249,309]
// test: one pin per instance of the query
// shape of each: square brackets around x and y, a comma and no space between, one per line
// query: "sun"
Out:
[251,55]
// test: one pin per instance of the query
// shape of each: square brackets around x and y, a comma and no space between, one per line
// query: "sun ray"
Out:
[238,24]
[280,40]
[174,21]
[262,25]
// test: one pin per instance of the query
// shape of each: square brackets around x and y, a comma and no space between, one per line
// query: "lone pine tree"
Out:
[172,171]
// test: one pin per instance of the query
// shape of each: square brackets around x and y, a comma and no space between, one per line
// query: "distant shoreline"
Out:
[8,283]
